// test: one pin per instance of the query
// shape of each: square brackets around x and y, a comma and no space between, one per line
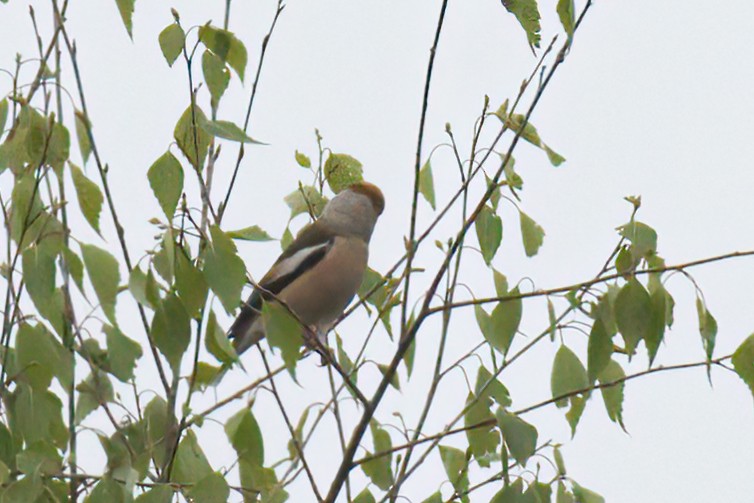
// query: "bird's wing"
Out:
[308,249]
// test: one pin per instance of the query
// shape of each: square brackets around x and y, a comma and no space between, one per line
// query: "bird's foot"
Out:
[317,342]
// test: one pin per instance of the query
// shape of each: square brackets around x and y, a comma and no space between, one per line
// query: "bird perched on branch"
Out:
[321,270]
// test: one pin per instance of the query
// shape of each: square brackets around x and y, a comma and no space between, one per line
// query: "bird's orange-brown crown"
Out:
[372,192]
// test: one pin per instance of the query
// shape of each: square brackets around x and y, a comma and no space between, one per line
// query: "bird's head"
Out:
[355,210]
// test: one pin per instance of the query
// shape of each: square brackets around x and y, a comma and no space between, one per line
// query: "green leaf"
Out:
[434,498]
[82,133]
[528,16]
[427,184]
[553,320]
[456,467]
[193,141]
[171,330]
[566,13]
[89,196]
[190,284]
[599,349]
[206,375]
[342,171]
[37,416]
[283,332]
[408,357]
[27,489]
[495,389]
[613,395]
[75,268]
[584,495]
[633,313]
[499,327]
[126,9]
[226,130]
[659,298]
[364,497]
[41,457]
[573,416]
[303,160]
[511,493]
[3,113]
[643,239]
[224,270]
[519,436]
[245,436]
[166,179]
[559,463]
[226,46]
[568,374]
[39,274]
[58,148]
[213,488]
[531,233]
[94,391]
[305,199]
[40,356]
[190,465]
[293,451]
[216,75]
[107,490]
[378,469]
[743,362]
[707,328]
[144,287]
[158,494]
[104,276]
[483,440]
[217,342]
[160,430]
[122,353]
[394,380]
[563,496]
[171,41]
[489,231]
[529,133]
[252,233]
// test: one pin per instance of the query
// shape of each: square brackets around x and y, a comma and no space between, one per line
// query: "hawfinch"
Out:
[321,270]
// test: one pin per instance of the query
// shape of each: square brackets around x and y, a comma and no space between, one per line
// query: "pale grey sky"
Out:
[654,99]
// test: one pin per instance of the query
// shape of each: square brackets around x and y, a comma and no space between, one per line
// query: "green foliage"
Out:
[305,199]
[489,232]
[251,233]
[224,270]
[378,469]
[171,41]
[341,171]
[166,179]
[533,235]
[283,332]
[456,466]
[520,437]
[226,46]
[216,75]
[633,314]
[102,269]
[191,137]
[743,362]
[126,9]
[427,184]
[527,13]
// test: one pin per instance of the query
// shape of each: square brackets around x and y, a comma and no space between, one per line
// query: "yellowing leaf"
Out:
[191,137]
[427,184]
[342,171]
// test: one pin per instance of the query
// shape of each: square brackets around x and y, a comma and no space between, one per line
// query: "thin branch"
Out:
[291,429]
[241,148]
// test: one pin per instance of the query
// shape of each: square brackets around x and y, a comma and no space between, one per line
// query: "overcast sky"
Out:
[654,99]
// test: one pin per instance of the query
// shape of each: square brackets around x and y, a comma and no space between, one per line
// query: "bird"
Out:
[319,273]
